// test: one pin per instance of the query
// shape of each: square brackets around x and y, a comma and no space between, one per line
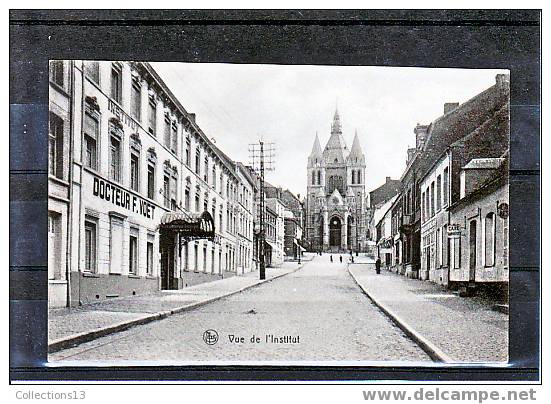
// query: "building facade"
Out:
[245,219]
[293,236]
[479,128]
[275,213]
[379,202]
[335,200]
[435,198]
[383,234]
[153,203]
[479,226]
[59,143]
[270,229]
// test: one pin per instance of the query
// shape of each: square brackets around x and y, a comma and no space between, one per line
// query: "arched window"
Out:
[319,177]
[489,239]
[313,178]
[359,176]
[353,176]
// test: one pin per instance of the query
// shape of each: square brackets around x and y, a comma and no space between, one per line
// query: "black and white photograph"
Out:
[269,214]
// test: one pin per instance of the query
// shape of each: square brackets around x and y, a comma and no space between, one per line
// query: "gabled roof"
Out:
[384,192]
[336,194]
[381,212]
[460,122]
[499,178]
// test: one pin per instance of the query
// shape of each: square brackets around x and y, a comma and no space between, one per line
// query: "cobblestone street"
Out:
[320,305]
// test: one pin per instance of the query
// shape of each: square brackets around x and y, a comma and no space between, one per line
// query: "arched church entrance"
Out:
[335,232]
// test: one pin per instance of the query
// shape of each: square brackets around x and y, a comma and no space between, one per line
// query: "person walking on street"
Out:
[378,265]
[340,257]
[331,257]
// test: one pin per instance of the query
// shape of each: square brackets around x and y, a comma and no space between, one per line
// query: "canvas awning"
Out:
[189,226]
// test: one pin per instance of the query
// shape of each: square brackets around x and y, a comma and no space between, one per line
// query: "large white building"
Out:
[144,200]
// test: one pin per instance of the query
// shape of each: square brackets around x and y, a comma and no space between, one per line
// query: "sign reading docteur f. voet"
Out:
[119,197]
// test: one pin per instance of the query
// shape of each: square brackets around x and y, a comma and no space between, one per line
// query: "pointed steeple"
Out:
[356,154]
[316,154]
[316,148]
[335,151]
[336,126]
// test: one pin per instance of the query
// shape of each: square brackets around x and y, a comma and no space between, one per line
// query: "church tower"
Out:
[335,193]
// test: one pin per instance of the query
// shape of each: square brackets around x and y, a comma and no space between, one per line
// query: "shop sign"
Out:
[119,197]
[122,116]
[454,228]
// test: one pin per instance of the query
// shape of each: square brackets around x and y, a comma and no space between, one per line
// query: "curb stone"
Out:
[435,353]
[87,336]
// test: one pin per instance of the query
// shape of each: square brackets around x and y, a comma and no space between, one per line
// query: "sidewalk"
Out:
[450,328]
[72,326]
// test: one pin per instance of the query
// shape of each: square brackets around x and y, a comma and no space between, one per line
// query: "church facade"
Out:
[336,200]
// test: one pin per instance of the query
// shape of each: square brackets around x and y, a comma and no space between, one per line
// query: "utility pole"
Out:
[261,156]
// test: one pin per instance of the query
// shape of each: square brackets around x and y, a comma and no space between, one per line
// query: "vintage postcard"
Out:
[238,213]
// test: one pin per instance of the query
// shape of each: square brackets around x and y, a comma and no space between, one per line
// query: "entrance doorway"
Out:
[166,246]
[335,227]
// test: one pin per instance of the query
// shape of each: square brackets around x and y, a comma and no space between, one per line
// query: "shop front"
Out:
[176,231]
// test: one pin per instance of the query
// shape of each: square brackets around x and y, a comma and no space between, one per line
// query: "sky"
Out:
[236,104]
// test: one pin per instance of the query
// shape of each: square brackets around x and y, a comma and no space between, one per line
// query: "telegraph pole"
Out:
[261,159]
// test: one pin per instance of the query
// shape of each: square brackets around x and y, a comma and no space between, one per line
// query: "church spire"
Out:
[316,148]
[356,153]
[335,151]
[336,126]
[316,154]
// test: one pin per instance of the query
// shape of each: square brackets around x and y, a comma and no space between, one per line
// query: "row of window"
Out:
[448,250]
[91,138]
[170,138]
[170,130]
[435,196]
[230,259]
[116,248]
[356,177]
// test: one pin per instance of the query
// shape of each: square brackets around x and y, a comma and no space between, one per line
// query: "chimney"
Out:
[502,79]
[192,117]
[450,106]
[387,179]
[420,135]
[502,82]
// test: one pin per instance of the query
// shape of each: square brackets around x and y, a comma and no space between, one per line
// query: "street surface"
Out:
[315,314]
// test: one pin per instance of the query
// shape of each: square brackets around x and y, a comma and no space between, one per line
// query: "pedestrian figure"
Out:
[340,257]
[352,257]
[331,257]
[378,265]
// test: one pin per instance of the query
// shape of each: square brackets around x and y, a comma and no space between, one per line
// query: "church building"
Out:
[335,204]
